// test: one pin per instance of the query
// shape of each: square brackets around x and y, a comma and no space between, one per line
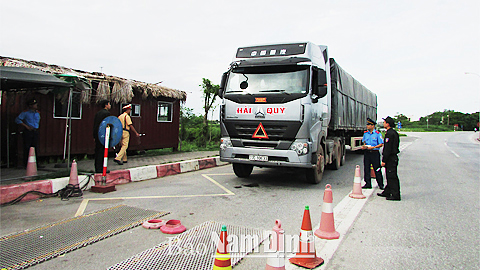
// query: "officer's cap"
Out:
[31,101]
[390,121]
[370,122]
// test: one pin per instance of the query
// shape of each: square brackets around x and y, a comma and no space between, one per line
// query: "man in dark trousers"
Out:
[30,120]
[390,161]
[372,142]
[99,147]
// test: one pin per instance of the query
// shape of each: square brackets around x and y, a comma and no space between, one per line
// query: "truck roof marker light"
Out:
[257,136]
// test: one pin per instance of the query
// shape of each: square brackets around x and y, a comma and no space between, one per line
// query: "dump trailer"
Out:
[290,105]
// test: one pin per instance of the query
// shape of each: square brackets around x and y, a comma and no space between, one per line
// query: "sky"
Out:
[412,54]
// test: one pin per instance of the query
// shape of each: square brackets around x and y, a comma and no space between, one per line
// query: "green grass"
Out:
[186,147]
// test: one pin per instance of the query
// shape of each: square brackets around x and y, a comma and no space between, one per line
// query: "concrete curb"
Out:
[118,177]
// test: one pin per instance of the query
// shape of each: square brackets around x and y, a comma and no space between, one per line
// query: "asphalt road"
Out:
[435,226]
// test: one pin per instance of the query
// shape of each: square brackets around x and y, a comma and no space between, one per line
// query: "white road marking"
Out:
[345,214]
[453,152]
[83,205]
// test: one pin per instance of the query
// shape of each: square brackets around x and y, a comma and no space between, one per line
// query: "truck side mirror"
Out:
[221,90]
[322,91]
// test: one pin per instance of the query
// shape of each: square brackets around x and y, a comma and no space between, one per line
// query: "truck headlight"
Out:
[300,148]
[225,143]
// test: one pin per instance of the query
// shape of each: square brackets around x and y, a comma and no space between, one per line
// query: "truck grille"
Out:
[275,130]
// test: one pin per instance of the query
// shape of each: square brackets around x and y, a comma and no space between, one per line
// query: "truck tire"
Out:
[337,157]
[342,147]
[315,174]
[242,170]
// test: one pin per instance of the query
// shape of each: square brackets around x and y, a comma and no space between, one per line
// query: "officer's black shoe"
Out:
[125,161]
[367,187]
[383,194]
[119,162]
[392,198]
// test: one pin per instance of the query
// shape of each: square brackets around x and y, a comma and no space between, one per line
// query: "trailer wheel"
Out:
[242,170]
[315,174]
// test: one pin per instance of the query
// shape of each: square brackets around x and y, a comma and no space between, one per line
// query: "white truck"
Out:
[290,105]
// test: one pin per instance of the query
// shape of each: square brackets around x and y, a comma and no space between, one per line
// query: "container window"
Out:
[164,112]
[135,109]
[60,106]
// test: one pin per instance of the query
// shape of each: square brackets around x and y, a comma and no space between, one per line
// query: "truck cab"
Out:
[290,105]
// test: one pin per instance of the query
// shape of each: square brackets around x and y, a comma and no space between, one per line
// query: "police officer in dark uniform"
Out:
[390,161]
[372,142]
[99,147]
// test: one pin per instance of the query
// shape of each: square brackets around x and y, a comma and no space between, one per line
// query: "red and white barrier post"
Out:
[105,156]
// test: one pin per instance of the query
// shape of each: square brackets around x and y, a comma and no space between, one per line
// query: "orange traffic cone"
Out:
[222,257]
[306,255]
[372,172]
[327,225]
[32,163]
[276,261]
[357,185]
[73,175]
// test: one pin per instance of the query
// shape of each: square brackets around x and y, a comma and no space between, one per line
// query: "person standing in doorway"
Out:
[372,142]
[127,125]
[99,147]
[390,161]
[30,120]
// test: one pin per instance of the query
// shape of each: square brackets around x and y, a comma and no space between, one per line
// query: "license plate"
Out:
[257,158]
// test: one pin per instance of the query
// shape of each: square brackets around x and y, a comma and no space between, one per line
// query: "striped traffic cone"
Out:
[32,163]
[276,261]
[357,185]
[327,224]
[306,255]
[73,175]
[222,257]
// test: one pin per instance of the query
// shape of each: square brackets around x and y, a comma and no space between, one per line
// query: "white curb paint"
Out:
[143,173]
[189,165]
[219,162]
[59,183]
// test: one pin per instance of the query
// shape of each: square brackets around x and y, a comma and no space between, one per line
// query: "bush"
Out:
[191,132]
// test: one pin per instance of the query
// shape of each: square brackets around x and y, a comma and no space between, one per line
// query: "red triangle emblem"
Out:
[259,136]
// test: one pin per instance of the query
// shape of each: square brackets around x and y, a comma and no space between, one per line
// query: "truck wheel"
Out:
[242,170]
[342,160]
[315,174]
[337,157]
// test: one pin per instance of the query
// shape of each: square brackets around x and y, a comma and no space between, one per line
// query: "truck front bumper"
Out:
[276,158]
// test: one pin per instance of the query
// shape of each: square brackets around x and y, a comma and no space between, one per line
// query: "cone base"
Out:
[268,267]
[327,235]
[307,263]
[357,196]
[102,189]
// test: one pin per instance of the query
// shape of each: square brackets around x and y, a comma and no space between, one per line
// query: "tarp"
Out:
[352,102]
[20,78]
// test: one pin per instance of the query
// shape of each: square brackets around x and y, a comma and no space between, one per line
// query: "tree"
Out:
[210,93]
[403,119]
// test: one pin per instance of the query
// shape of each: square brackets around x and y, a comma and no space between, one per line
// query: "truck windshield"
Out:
[264,80]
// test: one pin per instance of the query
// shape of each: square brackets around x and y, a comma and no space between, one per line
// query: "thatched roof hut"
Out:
[117,89]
